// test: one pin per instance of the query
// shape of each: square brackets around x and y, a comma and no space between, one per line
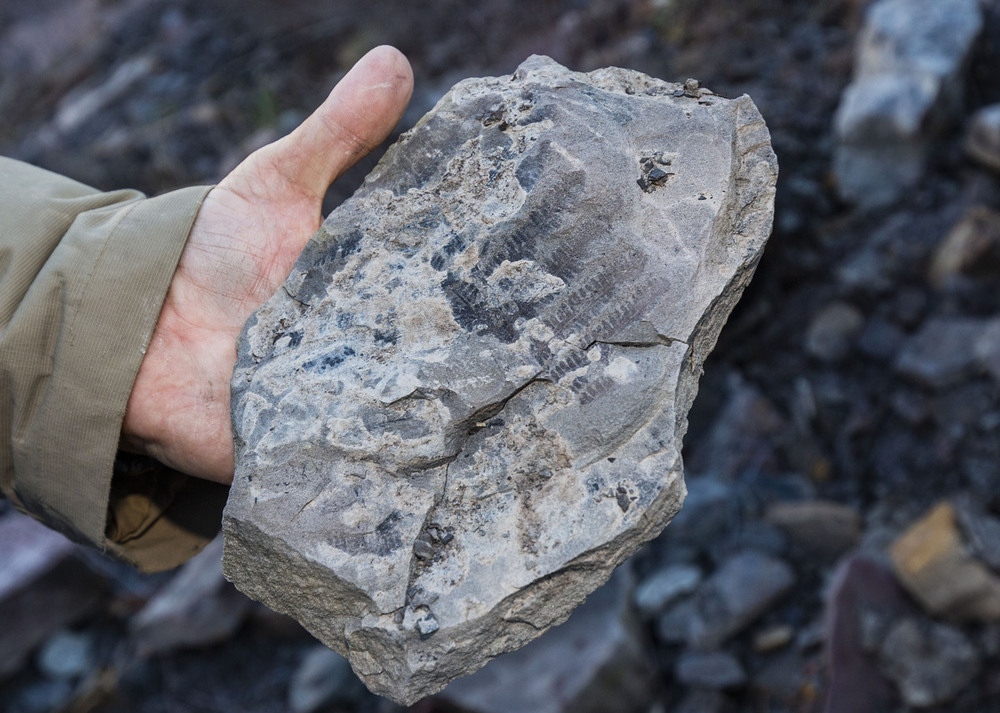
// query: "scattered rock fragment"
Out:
[833,331]
[908,76]
[934,564]
[971,249]
[942,352]
[929,662]
[742,589]
[665,586]
[982,142]
[44,587]
[711,669]
[67,654]
[197,607]
[496,338]
[818,528]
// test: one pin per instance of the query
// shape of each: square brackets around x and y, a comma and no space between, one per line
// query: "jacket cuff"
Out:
[109,318]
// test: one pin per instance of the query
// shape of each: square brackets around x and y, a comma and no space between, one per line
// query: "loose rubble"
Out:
[464,408]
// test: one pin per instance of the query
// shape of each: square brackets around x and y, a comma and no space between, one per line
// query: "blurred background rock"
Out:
[840,547]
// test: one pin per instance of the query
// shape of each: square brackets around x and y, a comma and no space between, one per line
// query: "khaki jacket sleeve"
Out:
[83,275]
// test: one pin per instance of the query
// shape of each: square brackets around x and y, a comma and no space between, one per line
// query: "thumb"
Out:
[355,118]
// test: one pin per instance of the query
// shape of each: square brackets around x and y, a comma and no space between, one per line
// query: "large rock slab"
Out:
[465,406]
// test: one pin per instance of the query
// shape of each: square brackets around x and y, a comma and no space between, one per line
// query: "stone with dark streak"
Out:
[465,406]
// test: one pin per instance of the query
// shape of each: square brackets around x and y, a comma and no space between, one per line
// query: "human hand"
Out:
[245,240]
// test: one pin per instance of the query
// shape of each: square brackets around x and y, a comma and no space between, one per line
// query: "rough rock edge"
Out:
[750,209]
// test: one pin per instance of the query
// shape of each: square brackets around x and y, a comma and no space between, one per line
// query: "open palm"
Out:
[245,240]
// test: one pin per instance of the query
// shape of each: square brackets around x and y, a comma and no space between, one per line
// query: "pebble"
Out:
[929,662]
[701,701]
[981,530]
[934,564]
[818,528]
[773,638]
[323,678]
[665,586]
[942,352]
[832,332]
[970,249]
[880,339]
[67,654]
[713,670]
[734,596]
[982,143]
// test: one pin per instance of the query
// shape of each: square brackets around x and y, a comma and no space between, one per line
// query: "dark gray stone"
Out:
[665,586]
[711,669]
[983,140]
[833,331]
[496,339]
[743,588]
[942,352]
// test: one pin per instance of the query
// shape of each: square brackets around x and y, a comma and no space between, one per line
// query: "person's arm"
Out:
[82,277]
[104,343]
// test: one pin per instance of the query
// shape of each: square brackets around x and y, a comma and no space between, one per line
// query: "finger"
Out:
[355,118]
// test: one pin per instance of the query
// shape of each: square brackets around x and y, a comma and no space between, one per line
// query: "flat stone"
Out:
[935,565]
[942,352]
[490,349]
[833,331]
[740,591]
[929,662]
[820,529]
[44,586]
[665,586]
[710,669]
[196,608]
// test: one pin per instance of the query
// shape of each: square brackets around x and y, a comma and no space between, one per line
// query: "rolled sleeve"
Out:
[83,275]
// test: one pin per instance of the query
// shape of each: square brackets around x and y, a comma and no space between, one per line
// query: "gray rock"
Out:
[491,348]
[665,586]
[67,654]
[929,662]
[596,661]
[322,679]
[44,586]
[741,590]
[908,77]
[982,142]
[701,701]
[198,607]
[711,669]
[981,530]
[818,528]
[833,330]
[942,352]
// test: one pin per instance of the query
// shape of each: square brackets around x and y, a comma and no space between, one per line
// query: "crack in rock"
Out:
[431,469]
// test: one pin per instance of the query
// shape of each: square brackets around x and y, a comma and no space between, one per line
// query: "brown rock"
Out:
[934,564]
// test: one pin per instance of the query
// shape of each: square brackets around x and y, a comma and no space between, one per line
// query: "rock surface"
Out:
[466,405]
